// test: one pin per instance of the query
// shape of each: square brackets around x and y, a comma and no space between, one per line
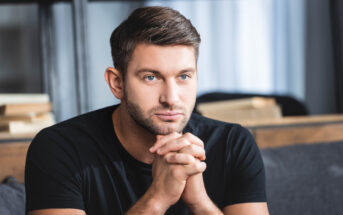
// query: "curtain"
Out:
[247,46]
[336,9]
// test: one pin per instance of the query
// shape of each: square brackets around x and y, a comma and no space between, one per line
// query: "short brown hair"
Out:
[154,25]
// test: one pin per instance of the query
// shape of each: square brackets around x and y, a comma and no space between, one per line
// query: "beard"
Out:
[146,120]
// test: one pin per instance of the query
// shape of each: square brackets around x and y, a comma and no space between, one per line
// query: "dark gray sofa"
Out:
[305,179]
[301,179]
[12,197]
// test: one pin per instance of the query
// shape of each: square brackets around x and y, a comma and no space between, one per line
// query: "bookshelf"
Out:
[47,49]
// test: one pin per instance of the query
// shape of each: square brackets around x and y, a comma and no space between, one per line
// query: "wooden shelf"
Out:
[8,137]
[295,120]
[296,130]
[12,160]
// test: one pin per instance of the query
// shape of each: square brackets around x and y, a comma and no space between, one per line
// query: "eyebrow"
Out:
[191,70]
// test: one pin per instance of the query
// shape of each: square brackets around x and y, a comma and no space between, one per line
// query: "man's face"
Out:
[160,87]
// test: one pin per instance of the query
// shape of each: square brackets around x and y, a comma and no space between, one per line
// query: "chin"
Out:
[167,129]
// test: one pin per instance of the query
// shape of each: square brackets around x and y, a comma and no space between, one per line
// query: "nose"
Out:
[170,93]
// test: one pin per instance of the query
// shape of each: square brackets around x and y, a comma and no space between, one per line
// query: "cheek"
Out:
[142,95]
[188,93]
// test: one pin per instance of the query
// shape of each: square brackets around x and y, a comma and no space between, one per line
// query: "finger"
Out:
[194,150]
[194,168]
[161,140]
[179,158]
[173,145]
[193,139]
[158,137]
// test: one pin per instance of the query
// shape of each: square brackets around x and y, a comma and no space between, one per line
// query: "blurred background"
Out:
[278,47]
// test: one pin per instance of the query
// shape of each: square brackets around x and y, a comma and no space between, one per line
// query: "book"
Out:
[241,110]
[17,127]
[25,108]
[19,98]
[245,115]
[234,104]
[30,117]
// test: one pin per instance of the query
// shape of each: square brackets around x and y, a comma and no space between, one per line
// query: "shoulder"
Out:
[86,123]
[72,135]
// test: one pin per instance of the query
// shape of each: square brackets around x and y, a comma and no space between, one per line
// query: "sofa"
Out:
[300,179]
[305,179]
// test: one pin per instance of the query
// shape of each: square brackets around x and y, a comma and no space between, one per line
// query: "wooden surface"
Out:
[295,130]
[287,131]
[12,160]
[6,136]
[295,120]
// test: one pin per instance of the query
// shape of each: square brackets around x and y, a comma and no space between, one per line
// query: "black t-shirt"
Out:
[80,163]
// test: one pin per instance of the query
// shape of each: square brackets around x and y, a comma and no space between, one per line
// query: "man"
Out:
[150,154]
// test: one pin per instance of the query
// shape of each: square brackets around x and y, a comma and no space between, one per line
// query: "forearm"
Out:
[205,208]
[148,204]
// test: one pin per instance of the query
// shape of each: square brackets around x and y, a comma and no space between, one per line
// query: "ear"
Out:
[115,81]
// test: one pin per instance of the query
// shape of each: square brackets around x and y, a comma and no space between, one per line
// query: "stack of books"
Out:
[24,113]
[241,110]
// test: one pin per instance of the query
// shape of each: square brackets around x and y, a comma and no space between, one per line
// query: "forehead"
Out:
[165,59]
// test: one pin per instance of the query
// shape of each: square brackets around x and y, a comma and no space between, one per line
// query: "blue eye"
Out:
[183,77]
[150,77]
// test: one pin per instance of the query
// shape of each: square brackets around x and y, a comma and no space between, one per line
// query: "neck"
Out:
[135,139]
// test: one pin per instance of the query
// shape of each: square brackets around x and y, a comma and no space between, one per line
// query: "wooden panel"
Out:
[282,136]
[12,160]
[295,120]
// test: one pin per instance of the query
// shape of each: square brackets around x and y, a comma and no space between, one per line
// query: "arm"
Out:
[148,204]
[258,208]
[57,212]
[248,186]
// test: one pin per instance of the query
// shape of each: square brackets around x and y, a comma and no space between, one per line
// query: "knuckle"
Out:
[166,157]
[175,134]
[188,134]
[193,147]
[202,151]
[183,142]
[189,158]
[199,166]
[169,159]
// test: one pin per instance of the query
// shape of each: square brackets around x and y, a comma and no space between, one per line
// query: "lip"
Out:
[169,116]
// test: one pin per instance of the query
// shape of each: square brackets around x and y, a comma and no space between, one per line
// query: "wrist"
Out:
[149,204]
[205,207]
[157,201]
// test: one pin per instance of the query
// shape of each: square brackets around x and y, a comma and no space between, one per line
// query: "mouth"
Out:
[169,115]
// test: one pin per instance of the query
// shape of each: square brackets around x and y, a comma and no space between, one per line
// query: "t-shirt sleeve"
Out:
[247,175]
[52,173]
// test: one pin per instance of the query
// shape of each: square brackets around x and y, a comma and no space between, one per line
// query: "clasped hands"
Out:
[177,170]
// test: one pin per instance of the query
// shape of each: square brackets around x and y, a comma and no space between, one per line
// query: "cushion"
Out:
[12,197]
[305,179]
